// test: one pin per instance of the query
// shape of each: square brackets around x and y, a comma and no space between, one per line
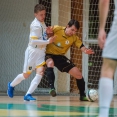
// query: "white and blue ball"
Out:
[92,95]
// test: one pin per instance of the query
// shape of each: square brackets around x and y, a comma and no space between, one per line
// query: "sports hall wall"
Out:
[15,19]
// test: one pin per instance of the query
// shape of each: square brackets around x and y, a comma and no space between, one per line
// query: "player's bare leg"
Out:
[35,82]
[106,82]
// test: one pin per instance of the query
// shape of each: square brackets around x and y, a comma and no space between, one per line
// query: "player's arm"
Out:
[49,31]
[43,42]
[80,45]
[103,12]
[36,37]
[87,50]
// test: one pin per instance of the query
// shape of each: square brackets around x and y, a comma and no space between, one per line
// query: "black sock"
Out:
[50,77]
[81,86]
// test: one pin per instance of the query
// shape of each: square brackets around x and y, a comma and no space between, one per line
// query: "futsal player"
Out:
[55,56]
[109,55]
[34,54]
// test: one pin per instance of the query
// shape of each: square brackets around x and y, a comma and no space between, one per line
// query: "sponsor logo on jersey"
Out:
[45,36]
[30,68]
[59,44]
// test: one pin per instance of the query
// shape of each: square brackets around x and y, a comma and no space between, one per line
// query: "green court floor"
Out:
[33,110]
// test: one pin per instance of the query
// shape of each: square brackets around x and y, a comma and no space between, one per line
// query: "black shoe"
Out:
[52,92]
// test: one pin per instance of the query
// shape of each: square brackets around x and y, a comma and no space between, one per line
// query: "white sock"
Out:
[35,82]
[105,96]
[17,80]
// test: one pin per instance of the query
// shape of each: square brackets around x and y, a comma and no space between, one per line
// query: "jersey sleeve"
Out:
[35,32]
[77,41]
[36,37]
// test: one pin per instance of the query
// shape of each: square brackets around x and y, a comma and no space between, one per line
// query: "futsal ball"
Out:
[92,95]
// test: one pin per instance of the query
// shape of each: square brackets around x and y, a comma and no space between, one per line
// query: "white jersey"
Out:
[35,52]
[38,37]
[110,48]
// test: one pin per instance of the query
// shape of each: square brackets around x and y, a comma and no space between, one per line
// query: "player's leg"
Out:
[34,83]
[39,62]
[107,72]
[19,78]
[28,67]
[106,82]
[50,74]
[65,65]
[75,72]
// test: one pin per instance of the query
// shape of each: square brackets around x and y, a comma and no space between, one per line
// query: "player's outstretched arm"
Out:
[87,50]
[49,31]
[39,42]
[35,34]
[43,42]
[52,39]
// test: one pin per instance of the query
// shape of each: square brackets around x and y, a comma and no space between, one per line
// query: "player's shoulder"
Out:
[35,22]
[75,37]
[58,28]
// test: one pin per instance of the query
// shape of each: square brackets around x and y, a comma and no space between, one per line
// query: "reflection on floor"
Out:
[46,106]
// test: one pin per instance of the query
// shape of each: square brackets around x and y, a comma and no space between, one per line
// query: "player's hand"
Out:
[49,31]
[101,38]
[52,39]
[89,51]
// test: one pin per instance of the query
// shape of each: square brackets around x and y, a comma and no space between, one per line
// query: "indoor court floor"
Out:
[47,106]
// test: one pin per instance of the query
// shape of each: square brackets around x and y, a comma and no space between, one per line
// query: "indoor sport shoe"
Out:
[83,98]
[29,97]
[52,92]
[10,90]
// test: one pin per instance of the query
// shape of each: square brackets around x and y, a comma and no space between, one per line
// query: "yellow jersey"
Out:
[62,42]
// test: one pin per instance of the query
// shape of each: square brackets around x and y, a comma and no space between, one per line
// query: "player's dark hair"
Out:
[74,22]
[39,7]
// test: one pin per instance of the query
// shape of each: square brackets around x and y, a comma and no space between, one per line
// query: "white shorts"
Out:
[34,58]
[110,48]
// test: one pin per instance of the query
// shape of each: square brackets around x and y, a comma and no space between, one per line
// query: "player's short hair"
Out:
[39,7]
[74,22]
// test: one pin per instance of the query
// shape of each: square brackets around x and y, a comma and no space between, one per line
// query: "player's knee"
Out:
[26,75]
[41,73]
[50,63]
[75,73]
[40,70]
[79,76]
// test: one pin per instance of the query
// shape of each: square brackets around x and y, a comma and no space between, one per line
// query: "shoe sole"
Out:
[53,93]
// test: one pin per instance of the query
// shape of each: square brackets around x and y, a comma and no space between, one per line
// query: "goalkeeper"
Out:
[65,38]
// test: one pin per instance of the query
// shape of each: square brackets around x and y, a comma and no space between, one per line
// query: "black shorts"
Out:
[61,62]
